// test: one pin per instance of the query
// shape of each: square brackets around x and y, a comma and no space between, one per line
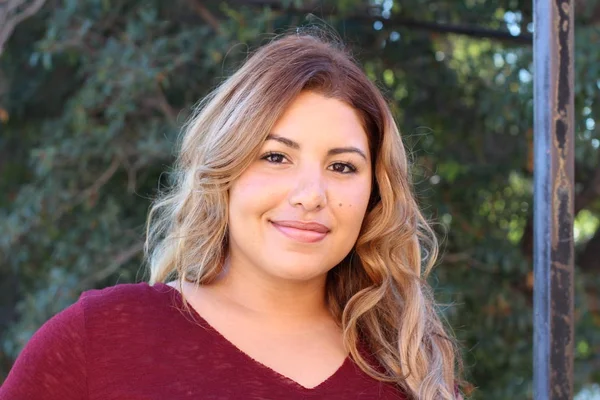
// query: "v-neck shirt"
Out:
[136,341]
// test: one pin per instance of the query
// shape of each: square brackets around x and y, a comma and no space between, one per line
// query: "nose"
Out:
[309,190]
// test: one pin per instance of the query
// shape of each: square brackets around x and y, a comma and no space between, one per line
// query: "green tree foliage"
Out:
[93,94]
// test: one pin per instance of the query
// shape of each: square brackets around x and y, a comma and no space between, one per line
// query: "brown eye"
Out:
[344,168]
[275,158]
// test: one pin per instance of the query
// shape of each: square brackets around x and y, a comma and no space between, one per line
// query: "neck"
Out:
[272,299]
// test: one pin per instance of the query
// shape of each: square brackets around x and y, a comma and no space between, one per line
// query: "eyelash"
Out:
[351,167]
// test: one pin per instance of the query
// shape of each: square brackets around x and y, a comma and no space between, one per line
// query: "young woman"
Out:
[288,261]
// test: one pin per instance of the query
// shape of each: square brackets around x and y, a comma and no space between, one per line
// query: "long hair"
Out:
[378,293]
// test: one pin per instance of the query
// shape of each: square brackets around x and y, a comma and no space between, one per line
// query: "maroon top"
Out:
[134,341]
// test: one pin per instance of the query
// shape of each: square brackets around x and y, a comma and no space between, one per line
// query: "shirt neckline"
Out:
[278,377]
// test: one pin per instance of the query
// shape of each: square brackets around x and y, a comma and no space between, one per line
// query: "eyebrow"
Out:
[331,152]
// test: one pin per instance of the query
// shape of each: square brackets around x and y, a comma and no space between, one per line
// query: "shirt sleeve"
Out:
[52,365]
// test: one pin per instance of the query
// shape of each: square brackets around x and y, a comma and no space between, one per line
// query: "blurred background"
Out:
[93,94]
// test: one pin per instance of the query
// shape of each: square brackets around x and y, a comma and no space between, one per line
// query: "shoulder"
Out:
[53,363]
[125,325]
[129,304]
[116,297]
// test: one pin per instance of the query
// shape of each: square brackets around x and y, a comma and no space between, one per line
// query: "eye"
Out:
[274,158]
[344,168]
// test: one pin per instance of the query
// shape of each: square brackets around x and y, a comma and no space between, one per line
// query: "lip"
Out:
[307,232]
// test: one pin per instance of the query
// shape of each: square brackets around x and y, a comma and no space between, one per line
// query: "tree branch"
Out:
[588,260]
[101,181]
[10,17]
[131,172]
[466,258]
[588,11]
[206,15]
[397,22]
[583,199]
[473,31]
[160,103]
[590,192]
[117,261]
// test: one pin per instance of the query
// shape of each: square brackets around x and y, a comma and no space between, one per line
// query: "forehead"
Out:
[312,117]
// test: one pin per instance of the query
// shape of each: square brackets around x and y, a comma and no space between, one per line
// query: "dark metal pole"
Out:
[553,199]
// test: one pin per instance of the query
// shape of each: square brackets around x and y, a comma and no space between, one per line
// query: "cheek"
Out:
[351,201]
[252,192]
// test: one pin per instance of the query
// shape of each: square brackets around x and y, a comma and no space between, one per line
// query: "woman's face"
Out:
[296,212]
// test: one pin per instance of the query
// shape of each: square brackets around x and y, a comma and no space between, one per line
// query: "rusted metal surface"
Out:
[553,199]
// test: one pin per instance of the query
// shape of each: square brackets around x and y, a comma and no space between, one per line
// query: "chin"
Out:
[298,272]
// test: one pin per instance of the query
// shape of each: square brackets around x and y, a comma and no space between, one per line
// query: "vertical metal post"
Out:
[553,199]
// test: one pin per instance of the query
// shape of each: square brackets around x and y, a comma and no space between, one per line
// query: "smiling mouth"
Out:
[301,235]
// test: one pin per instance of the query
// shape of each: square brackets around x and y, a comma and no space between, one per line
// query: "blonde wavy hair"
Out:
[378,293]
